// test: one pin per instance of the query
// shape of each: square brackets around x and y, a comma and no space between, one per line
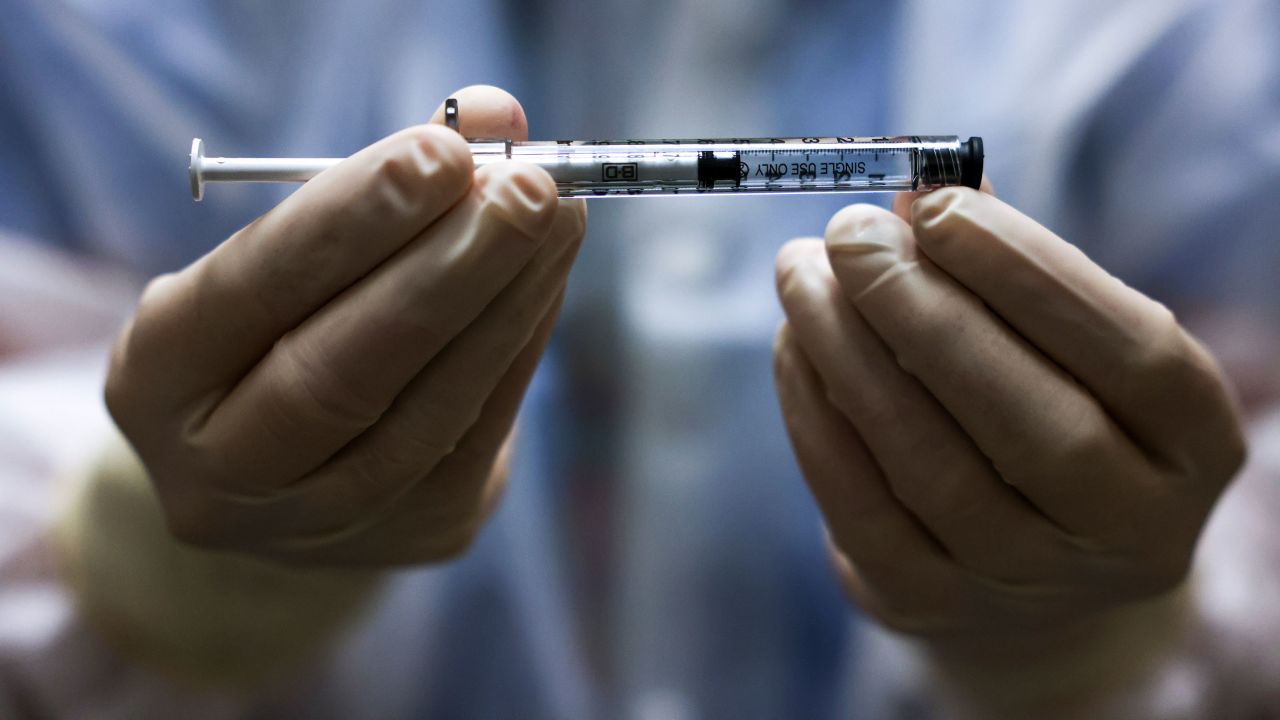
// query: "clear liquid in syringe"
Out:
[758,165]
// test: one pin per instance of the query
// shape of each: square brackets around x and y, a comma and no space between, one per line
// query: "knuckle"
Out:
[794,254]
[802,287]
[783,350]
[447,413]
[133,347]
[1085,444]
[783,267]
[406,455]
[535,182]
[853,218]
[1235,452]
[909,491]
[522,194]
[1167,358]
[354,488]
[118,389]
[932,212]
[440,146]
[935,216]
[311,391]
[420,160]
[154,304]
[157,290]
[1082,447]
[947,496]
[1164,353]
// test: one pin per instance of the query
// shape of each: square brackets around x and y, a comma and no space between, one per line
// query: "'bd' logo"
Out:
[619,172]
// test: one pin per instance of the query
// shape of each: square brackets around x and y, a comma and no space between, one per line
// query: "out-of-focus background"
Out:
[657,546]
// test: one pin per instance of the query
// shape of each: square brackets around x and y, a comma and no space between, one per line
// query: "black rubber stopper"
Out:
[713,166]
[971,162]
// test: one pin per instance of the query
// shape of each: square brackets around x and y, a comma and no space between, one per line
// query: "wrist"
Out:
[205,617]
[1083,669]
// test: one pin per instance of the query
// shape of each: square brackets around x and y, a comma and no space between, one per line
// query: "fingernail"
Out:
[522,195]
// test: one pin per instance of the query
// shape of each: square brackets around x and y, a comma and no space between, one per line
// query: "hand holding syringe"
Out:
[629,168]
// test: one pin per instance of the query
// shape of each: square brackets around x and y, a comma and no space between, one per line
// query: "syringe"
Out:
[635,168]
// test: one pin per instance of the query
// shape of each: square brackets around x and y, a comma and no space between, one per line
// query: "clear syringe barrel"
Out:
[628,168]
[587,168]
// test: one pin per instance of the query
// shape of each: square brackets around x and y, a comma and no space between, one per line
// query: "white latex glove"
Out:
[1007,443]
[333,384]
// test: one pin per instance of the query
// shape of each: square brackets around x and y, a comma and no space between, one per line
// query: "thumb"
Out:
[485,111]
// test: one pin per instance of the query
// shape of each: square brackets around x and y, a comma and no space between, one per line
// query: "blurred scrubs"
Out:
[657,555]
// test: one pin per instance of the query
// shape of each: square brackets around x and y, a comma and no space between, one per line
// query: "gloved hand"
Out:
[334,384]
[1005,441]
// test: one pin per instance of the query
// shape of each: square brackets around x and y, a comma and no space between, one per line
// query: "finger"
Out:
[1042,431]
[1127,349]
[430,416]
[931,466]
[437,519]
[205,327]
[334,376]
[866,522]
[902,202]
